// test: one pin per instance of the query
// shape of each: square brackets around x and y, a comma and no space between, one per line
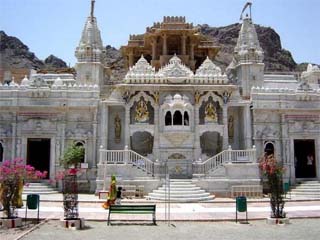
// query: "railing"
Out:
[126,157]
[232,156]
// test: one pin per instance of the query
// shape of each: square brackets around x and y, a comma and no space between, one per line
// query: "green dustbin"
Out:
[286,187]
[241,204]
[33,201]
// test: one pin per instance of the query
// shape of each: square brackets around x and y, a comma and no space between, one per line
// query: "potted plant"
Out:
[71,160]
[273,171]
[13,175]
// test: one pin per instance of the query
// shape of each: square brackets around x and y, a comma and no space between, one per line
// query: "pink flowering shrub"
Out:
[273,171]
[13,174]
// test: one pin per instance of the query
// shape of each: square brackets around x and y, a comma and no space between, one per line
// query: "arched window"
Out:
[186,119]
[81,144]
[269,148]
[177,118]
[1,152]
[168,119]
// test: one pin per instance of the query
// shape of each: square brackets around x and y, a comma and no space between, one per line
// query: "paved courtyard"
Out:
[298,229]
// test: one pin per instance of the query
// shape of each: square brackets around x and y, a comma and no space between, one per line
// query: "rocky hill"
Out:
[16,57]
[276,58]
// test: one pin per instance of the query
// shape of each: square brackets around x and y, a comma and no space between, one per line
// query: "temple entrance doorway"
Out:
[304,158]
[38,154]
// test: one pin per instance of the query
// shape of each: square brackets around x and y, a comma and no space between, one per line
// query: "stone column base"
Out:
[74,224]
[274,221]
[11,222]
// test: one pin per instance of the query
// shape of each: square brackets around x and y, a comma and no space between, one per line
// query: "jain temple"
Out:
[175,113]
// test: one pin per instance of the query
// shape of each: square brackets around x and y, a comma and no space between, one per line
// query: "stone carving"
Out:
[141,112]
[208,68]
[156,96]
[197,97]
[141,68]
[225,97]
[267,132]
[117,129]
[210,113]
[175,71]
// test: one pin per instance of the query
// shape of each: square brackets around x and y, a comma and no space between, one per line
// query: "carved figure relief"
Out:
[210,113]
[141,112]
[156,96]
[117,129]
[197,96]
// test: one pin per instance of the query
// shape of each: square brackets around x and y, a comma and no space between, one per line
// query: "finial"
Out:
[92,9]
[248,4]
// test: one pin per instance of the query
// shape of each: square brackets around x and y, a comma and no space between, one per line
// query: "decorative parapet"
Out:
[175,72]
[283,90]
[40,83]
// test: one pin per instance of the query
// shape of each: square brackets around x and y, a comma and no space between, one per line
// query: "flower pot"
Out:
[11,222]
[275,221]
[74,224]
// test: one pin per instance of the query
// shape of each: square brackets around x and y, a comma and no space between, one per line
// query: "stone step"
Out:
[183,185]
[39,188]
[179,192]
[306,190]
[203,199]
[307,187]
[181,188]
[305,193]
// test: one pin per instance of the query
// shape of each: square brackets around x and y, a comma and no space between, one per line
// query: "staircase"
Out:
[306,190]
[39,188]
[181,190]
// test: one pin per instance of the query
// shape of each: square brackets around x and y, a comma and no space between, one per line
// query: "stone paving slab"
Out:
[297,230]
[182,211]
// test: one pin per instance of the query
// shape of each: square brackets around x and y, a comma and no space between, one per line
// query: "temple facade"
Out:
[175,113]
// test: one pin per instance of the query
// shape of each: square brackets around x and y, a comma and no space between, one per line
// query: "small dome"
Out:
[177,97]
[25,81]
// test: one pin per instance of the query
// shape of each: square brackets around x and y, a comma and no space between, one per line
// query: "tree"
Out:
[73,156]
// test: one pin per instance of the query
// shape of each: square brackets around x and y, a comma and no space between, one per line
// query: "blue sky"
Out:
[54,26]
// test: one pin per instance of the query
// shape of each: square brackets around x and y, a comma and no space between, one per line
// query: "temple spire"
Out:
[92,9]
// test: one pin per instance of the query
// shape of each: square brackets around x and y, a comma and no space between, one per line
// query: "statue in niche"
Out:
[141,112]
[210,113]
[231,127]
[117,129]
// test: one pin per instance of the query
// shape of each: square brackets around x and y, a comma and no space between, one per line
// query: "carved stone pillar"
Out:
[127,127]
[104,125]
[14,137]
[183,44]
[247,126]
[130,59]
[192,51]
[164,46]
[156,132]
[197,146]
[154,49]
[225,142]
[63,133]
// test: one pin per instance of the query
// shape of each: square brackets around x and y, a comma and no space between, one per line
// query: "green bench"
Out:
[133,209]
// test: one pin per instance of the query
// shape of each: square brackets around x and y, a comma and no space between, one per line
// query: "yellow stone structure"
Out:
[163,40]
